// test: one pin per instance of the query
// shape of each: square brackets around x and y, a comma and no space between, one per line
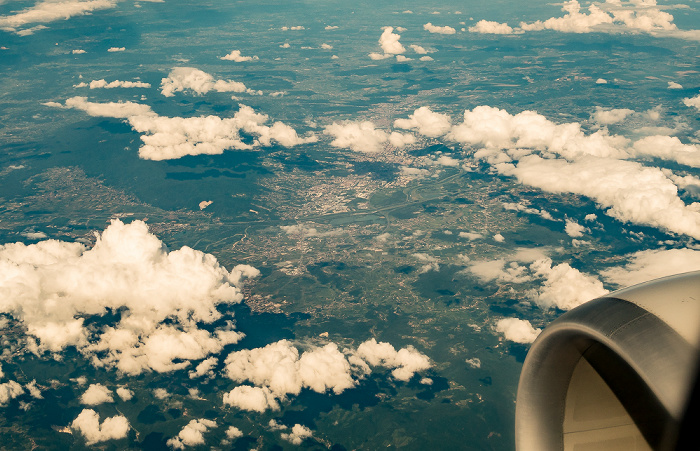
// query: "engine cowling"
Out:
[616,373]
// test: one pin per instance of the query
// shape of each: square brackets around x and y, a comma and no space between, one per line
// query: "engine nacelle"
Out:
[616,373]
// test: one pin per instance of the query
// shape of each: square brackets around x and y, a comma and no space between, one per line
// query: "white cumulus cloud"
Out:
[125,394]
[430,263]
[357,136]
[169,138]
[471,236]
[526,209]
[204,368]
[489,270]
[605,116]
[494,128]
[669,148]
[8,391]
[405,362]
[34,390]
[236,56]
[593,165]
[96,394]
[279,367]
[400,140]
[574,229]
[613,17]
[474,362]
[693,102]
[52,286]
[574,21]
[120,110]
[564,287]
[279,370]
[429,27]
[233,433]
[517,330]
[561,285]
[192,434]
[379,56]
[195,80]
[298,434]
[161,393]
[426,122]
[489,27]
[255,399]
[418,49]
[389,42]
[88,425]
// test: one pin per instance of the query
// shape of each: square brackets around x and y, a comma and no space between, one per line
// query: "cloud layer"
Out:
[562,158]
[166,138]
[610,16]
[97,84]
[558,158]
[651,264]
[652,200]
[51,11]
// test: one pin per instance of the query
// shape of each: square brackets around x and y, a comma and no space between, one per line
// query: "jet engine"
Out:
[616,373]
